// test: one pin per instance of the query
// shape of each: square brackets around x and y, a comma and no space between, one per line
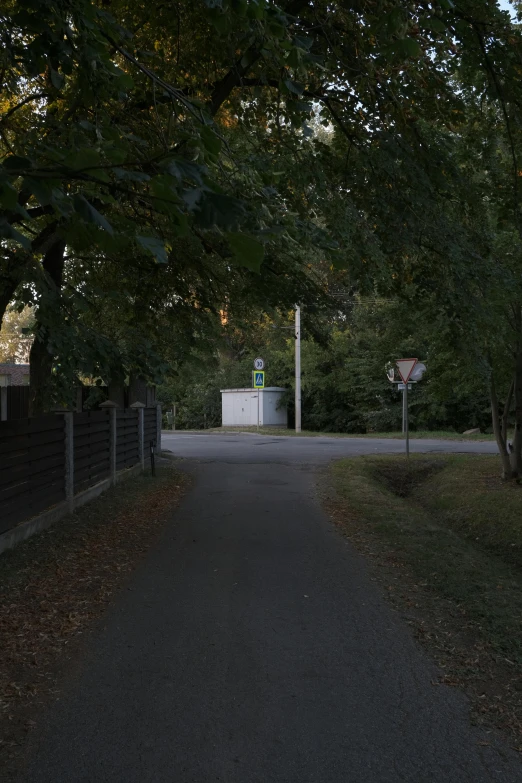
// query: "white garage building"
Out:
[240,407]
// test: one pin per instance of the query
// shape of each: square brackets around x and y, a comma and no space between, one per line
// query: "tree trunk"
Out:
[9,281]
[516,453]
[507,408]
[497,429]
[41,359]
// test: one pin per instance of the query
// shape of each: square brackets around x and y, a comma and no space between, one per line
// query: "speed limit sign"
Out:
[259,364]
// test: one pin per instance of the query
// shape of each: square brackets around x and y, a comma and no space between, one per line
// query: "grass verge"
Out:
[428,434]
[56,584]
[444,537]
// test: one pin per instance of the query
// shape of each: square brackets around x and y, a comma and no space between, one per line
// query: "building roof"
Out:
[266,388]
[16,372]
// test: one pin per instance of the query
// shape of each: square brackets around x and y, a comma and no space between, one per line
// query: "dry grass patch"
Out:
[444,535]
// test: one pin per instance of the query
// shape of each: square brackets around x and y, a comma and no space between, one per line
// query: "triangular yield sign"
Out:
[405,367]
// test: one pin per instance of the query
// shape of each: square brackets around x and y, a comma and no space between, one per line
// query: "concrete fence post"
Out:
[69,459]
[68,422]
[3,403]
[140,407]
[159,417]
[111,407]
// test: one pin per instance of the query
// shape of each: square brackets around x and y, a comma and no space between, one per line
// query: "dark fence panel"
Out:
[149,430]
[91,448]
[127,453]
[32,467]
[17,402]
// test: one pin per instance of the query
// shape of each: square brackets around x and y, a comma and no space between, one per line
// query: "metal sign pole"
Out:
[297,369]
[406,423]
[258,395]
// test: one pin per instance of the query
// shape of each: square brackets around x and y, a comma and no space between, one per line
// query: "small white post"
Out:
[111,407]
[297,368]
[3,403]
[139,406]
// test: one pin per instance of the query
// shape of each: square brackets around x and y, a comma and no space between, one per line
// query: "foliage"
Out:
[159,167]
[344,385]
[15,337]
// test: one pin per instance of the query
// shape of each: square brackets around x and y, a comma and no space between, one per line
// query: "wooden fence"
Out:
[91,448]
[32,460]
[127,438]
[56,462]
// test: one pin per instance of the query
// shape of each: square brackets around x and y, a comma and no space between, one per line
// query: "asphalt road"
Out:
[252,647]
[302,450]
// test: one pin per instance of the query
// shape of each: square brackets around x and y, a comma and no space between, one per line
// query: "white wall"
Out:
[239,407]
[272,416]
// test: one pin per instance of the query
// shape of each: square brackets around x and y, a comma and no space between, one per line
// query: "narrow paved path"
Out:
[251,646]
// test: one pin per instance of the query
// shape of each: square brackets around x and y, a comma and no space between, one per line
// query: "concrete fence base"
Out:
[103,451]
[30,527]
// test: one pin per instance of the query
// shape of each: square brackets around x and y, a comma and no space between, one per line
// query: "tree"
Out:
[125,143]
[15,340]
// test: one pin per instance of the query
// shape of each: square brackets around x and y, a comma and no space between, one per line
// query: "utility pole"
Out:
[297,368]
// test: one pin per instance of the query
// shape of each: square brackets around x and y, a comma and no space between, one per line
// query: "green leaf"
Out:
[437,25]
[211,141]
[57,79]
[182,224]
[155,247]
[165,195]
[407,47]
[8,232]
[40,189]
[395,21]
[217,209]
[129,174]
[303,42]
[114,243]
[220,22]
[8,196]
[14,164]
[82,159]
[115,154]
[294,58]
[90,214]
[246,251]
[20,210]
[125,81]
[294,87]
[184,169]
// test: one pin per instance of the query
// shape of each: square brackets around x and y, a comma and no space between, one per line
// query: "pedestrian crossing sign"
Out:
[259,380]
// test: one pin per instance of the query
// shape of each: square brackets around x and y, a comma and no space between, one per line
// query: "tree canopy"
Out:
[164,164]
